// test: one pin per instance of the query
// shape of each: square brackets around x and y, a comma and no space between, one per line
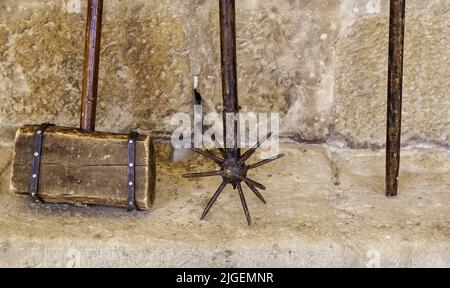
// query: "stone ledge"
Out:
[325,208]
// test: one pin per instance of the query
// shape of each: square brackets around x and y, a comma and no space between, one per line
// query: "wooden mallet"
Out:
[81,166]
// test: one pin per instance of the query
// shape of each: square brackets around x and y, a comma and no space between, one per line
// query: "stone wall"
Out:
[321,64]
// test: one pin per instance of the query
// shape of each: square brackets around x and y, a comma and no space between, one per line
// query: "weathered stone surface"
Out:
[285,61]
[411,230]
[361,75]
[326,207]
[320,64]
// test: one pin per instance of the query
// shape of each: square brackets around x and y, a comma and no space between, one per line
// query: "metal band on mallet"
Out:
[131,197]
[36,163]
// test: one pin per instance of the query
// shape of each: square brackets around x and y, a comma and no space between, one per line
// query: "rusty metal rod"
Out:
[256,192]
[244,204]
[91,65]
[394,94]
[229,74]
[213,199]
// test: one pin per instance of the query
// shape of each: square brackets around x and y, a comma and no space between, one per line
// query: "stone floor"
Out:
[326,207]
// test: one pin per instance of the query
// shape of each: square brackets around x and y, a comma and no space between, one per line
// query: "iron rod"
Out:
[213,199]
[256,192]
[244,204]
[208,154]
[91,65]
[265,161]
[202,174]
[252,150]
[251,182]
[394,94]
[229,74]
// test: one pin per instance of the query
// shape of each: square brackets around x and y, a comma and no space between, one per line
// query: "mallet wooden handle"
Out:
[91,65]
[394,97]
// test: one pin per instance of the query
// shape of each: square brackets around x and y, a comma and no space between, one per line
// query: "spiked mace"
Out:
[232,164]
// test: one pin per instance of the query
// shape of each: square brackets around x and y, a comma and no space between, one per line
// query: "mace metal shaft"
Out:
[91,65]
[394,94]
[229,75]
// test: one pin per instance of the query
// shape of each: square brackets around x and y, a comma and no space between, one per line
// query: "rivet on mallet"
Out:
[131,165]
[36,154]
[130,183]
[34,175]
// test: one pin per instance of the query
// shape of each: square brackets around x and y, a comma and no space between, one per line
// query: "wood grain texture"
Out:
[84,168]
